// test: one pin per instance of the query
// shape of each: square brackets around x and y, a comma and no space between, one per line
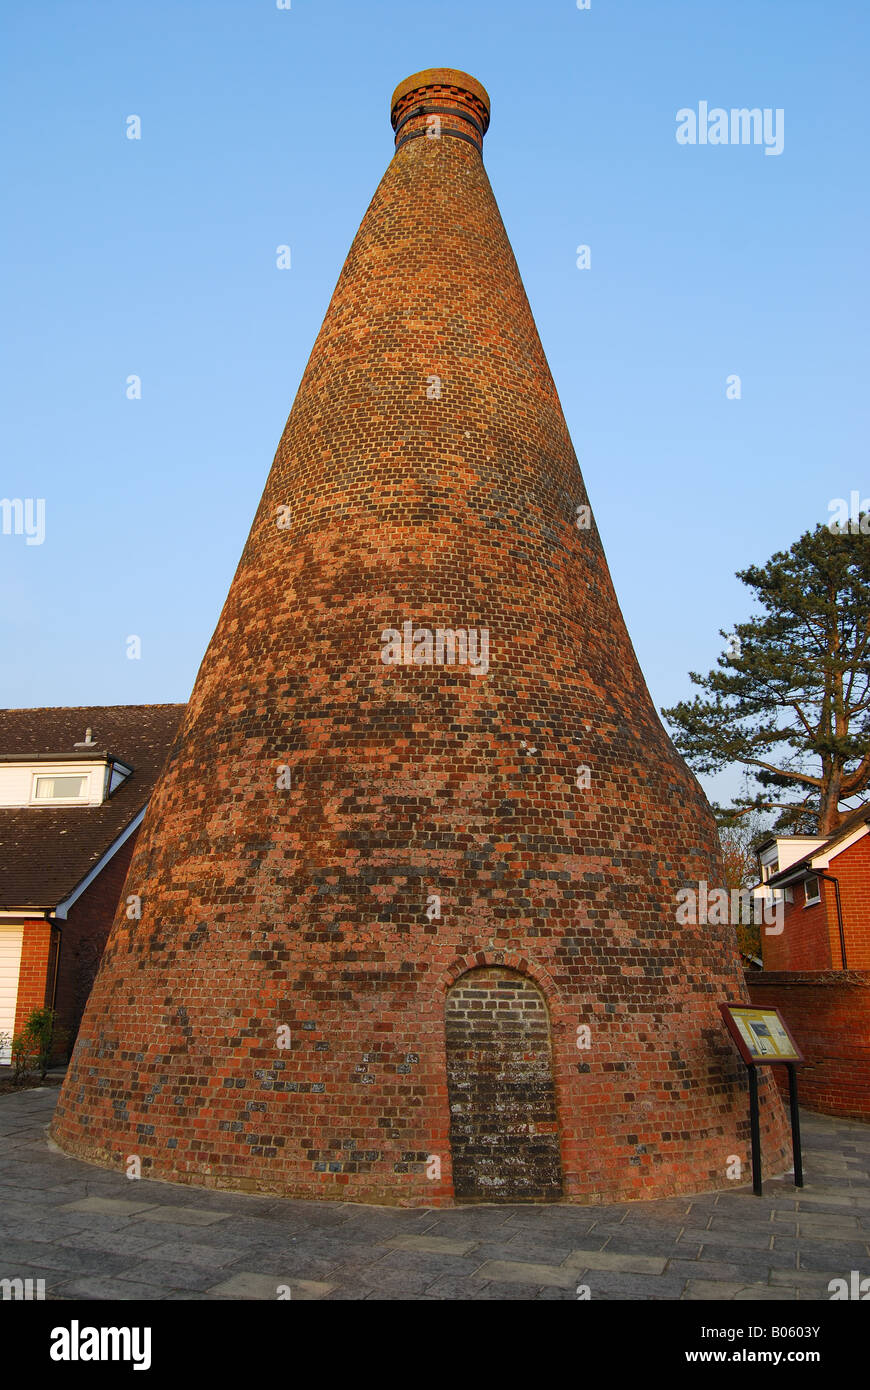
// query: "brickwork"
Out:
[807,936]
[504,1135]
[852,868]
[828,1013]
[83,938]
[36,970]
[440,103]
[337,837]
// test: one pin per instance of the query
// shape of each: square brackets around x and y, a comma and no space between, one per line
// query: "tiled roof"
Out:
[45,852]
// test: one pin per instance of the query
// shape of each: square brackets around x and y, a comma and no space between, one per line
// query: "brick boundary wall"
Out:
[828,1011]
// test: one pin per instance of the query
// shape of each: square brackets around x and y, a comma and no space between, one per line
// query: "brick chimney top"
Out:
[440,101]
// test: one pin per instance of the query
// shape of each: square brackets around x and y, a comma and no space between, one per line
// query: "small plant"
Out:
[23,1057]
[32,1048]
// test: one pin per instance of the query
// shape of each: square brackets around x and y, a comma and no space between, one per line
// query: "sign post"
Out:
[763,1039]
[795,1125]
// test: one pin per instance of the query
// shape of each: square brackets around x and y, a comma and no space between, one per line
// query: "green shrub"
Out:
[32,1048]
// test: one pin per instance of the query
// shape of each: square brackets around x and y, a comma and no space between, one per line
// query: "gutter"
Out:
[94,755]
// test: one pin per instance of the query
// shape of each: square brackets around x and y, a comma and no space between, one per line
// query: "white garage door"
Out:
[10,960]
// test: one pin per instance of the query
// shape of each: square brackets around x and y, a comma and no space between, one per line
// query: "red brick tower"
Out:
[420,837]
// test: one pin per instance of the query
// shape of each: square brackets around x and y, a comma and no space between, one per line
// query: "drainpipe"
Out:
[829,878]
[55,927]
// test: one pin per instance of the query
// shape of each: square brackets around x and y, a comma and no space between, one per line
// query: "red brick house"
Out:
[817,968]
[74,783]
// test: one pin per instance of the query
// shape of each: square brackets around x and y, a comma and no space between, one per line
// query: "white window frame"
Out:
[81,800]
[808,901]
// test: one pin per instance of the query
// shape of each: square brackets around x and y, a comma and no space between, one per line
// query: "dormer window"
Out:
[65,787]
[61,780]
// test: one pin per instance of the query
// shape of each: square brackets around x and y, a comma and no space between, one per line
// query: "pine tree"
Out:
[789,700]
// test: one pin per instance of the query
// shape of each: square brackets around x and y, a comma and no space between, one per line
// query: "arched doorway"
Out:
[504,1134]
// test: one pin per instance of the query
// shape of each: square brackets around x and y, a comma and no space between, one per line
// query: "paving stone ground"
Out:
[95,1234]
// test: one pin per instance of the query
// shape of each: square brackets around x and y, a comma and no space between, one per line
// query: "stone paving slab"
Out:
[812,1283]
[515,1293]
[247,1284]
[418,1263]
[184,1216]
[703,1289]
[103,1287]
[393,1283]
[851,1202]
[617,1260]
[458,1286]
[705,1269]
[59,1228]
[433,1245]
[616,1285]
[522,1272]
[284,1264]
[64,1257]
[18,1268]
[208,1256]
[752,1263]
[166,1275]
[93,1234]
[739,1223]
[529,1247]
[753,1294]
[829,1255]
[476,1219]
[248,1235]
[666,1243]
[108,1206]
[732,1236]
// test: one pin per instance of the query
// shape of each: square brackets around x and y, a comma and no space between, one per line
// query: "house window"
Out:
[812,891]
[63,787]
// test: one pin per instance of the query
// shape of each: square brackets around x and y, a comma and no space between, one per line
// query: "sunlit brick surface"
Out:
[311,905]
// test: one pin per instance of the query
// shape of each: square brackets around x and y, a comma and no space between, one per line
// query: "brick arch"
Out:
[511,960]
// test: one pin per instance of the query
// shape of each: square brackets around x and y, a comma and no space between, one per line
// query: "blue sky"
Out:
[263,127]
